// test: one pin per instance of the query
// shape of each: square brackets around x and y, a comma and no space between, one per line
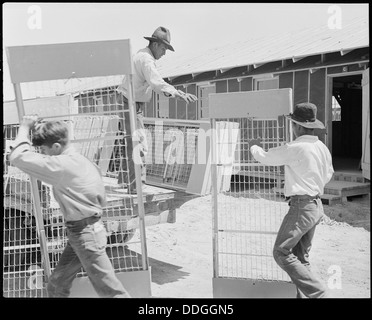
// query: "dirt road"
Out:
[181,259]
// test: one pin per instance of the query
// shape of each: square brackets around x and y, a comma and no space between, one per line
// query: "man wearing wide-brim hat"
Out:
[308,168]
[146,79]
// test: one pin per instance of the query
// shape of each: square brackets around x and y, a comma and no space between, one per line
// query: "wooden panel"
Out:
[60,61]
[43,107]
[258,104]
[221,86]
[286,80]
[366,160]
[246,84]
[181,110]
[318,92]
[233,85]
[341,69]
[246,288]
[192,107]
[163,108]
[191,89]
[228,133]
[199,179]
[172,108]
[192,111]
[301,87]
[149,109]
[318,97]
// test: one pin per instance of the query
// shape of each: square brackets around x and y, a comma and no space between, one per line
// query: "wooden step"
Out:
[330,199]
[351,177]
[346,188]
[339,191]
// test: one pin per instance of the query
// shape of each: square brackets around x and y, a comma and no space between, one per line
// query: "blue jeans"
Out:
[293,243]
[86,248]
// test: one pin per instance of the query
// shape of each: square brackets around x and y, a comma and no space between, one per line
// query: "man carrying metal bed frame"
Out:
[80,192]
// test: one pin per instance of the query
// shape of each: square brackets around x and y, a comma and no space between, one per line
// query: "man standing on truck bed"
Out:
[80,193]
[146,79]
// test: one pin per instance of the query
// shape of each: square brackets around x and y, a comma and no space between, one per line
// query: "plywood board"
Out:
[62,61]
[259,104]
[200,174]
[247,288]
[43,107]
[226,146]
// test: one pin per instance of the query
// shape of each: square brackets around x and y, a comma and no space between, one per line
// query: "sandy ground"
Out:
[181,256]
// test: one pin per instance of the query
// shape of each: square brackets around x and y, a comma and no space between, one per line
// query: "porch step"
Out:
[341,187]
[346,188]
[330,199]
[350,177]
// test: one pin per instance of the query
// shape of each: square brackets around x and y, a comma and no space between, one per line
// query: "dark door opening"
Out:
[347,123]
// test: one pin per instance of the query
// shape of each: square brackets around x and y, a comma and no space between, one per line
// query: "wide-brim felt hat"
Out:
[162,35]
[305,115]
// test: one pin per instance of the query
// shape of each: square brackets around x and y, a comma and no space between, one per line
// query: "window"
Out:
[203,99]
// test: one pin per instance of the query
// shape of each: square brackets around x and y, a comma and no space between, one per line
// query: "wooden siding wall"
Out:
[150,109]
[318,96]
[192,110]
[177,108]
[221,86]
[246,84]
[306,86]
[173,110]
[286,80]
[233,85]
[301,87]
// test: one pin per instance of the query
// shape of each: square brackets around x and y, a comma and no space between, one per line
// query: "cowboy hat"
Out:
[162,35]
[305,115]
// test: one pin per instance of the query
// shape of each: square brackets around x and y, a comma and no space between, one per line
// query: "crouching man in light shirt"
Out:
[146,80]
[308,168]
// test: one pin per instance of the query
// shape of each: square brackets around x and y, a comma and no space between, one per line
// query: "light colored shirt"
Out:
[77,182]
[307,163]
[146,78]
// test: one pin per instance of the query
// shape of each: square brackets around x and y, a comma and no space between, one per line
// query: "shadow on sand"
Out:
[162,272]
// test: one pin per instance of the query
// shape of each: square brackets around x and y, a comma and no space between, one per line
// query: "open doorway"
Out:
[347,123]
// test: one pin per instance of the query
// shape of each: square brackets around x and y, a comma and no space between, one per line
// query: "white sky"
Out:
[194,27]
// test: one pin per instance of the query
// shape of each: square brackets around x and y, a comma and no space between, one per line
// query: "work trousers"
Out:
[86,247]
[140,135]
[293,244]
